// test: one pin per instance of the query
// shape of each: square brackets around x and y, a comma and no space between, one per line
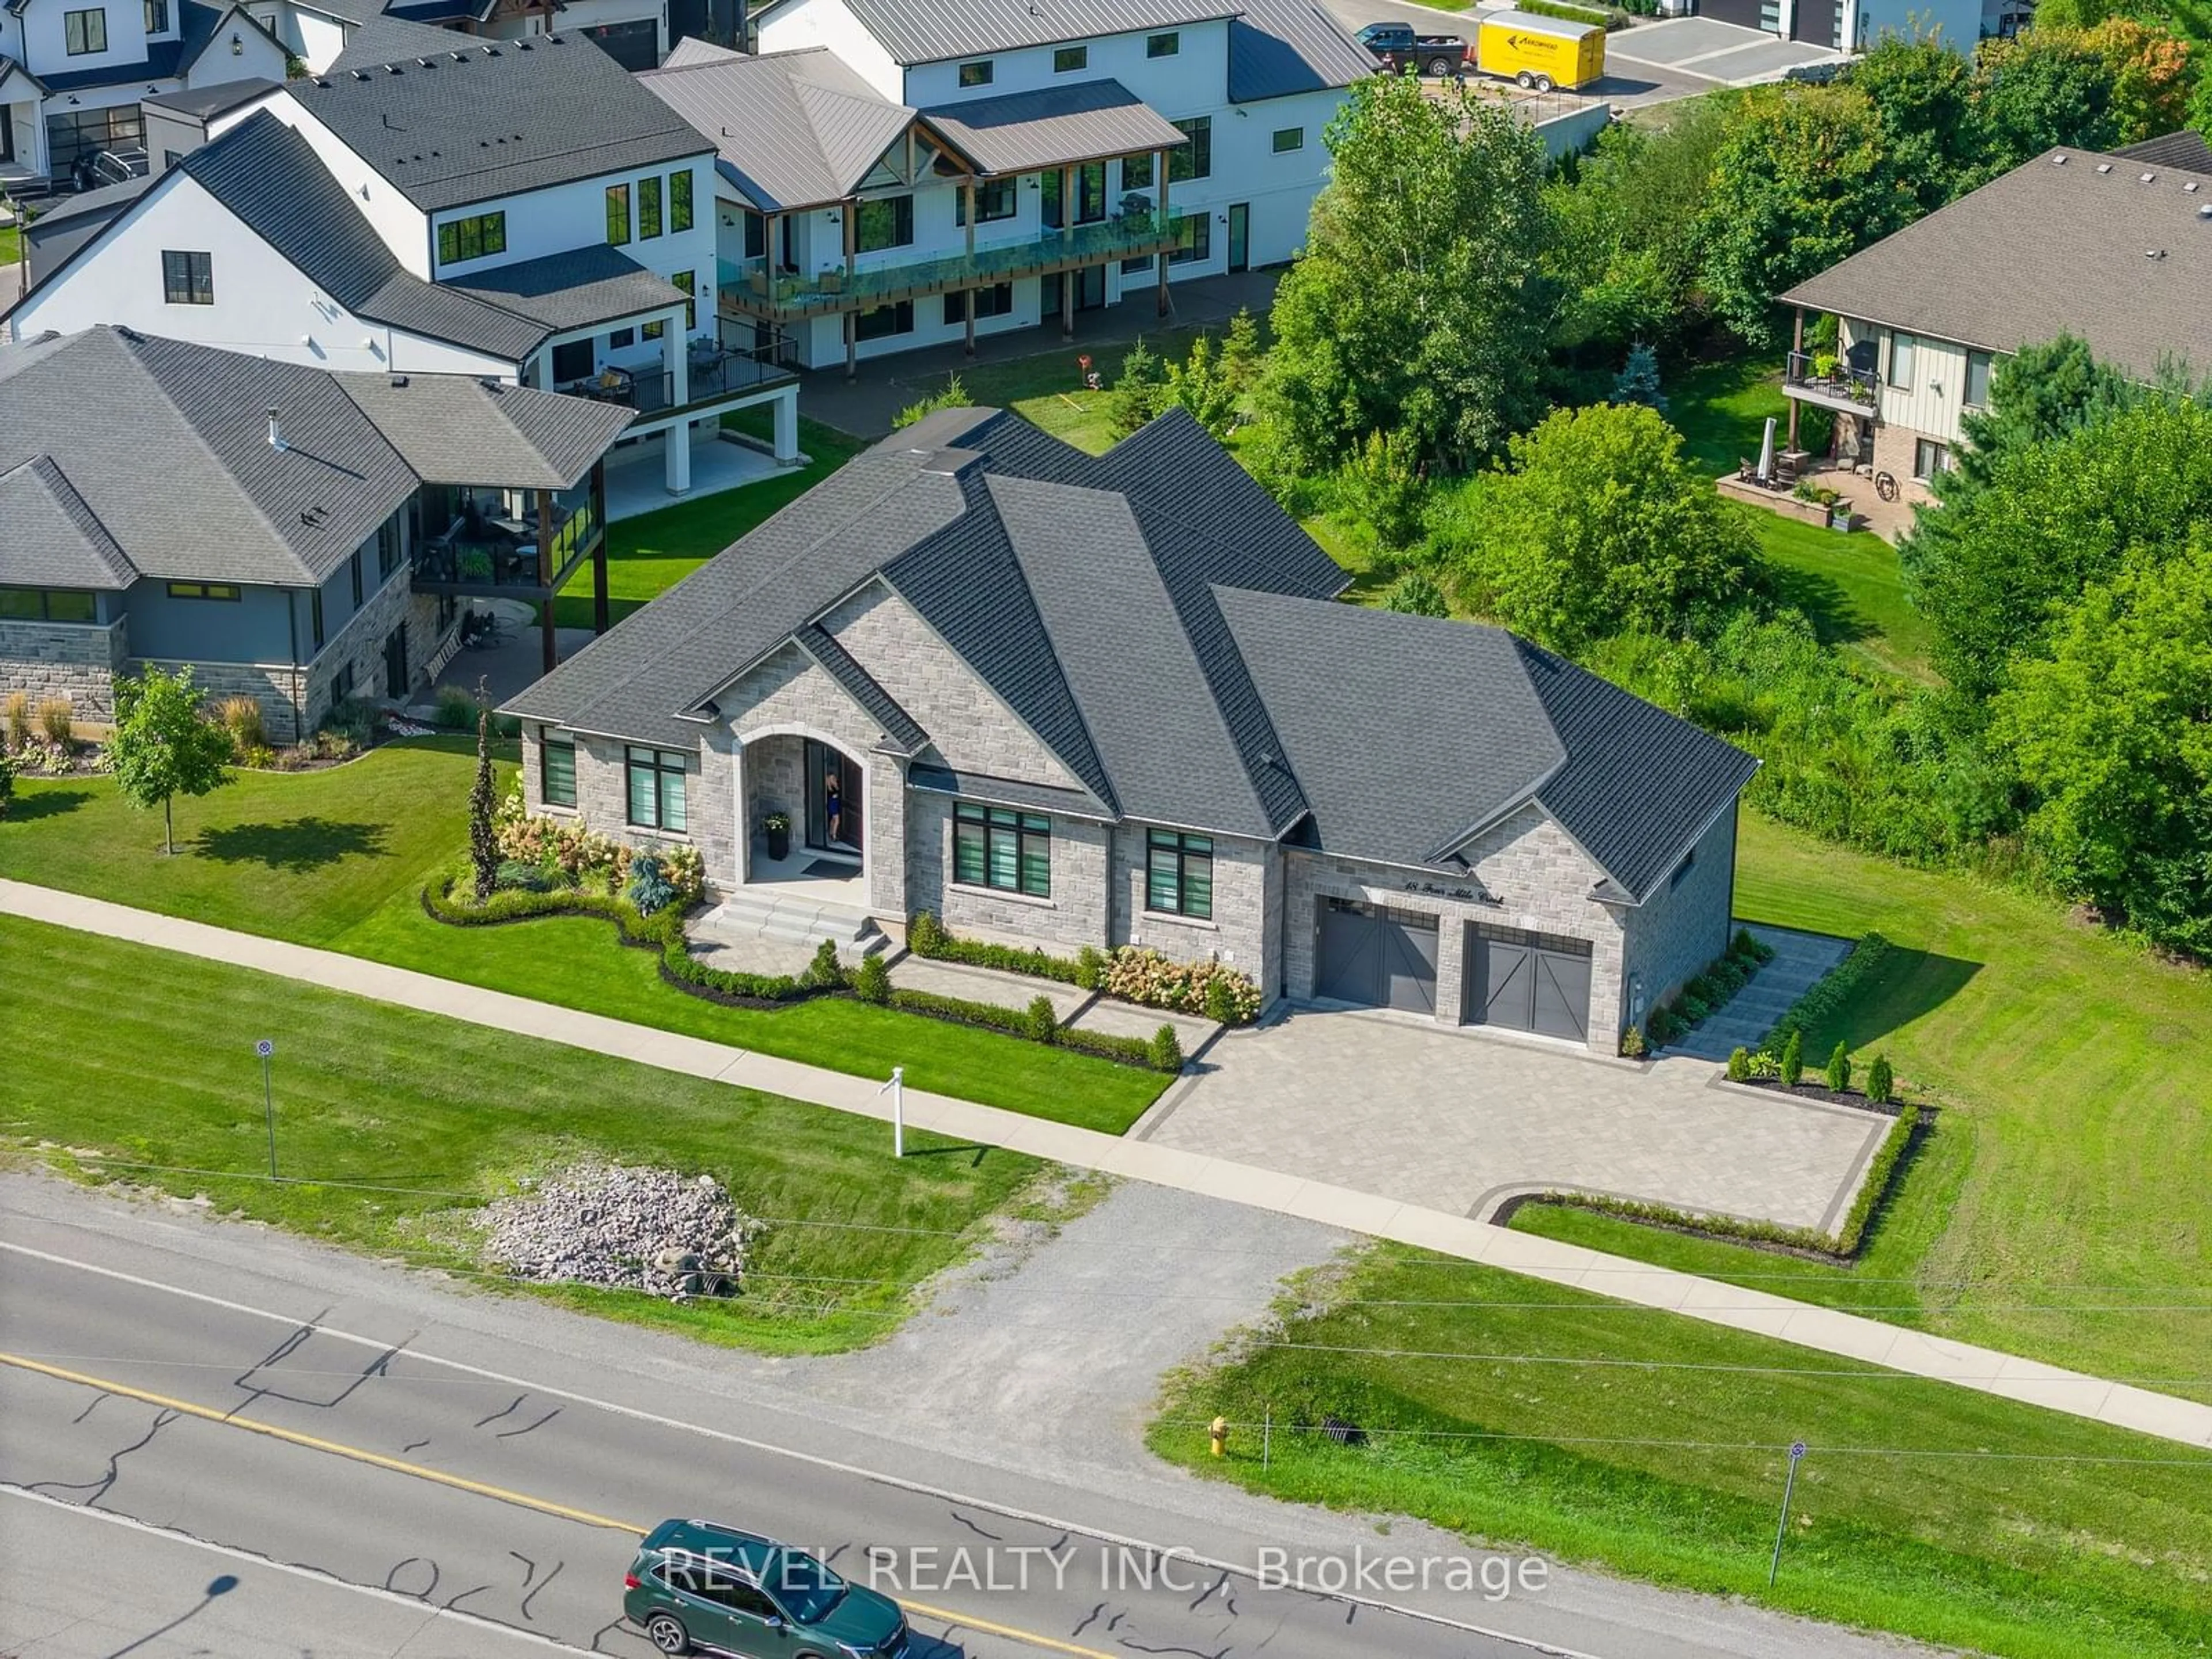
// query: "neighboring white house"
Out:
[634,33]
[897,173]
[539,219]
[72,73]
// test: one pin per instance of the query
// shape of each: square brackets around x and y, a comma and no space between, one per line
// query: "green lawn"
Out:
[1721,409]
[337,859]
[1675,1475]
[1047,387]
[2061,1209]
[650,554]
[1851,588]
[440,1116]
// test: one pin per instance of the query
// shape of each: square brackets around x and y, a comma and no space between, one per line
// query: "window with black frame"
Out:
[556,768]
[1179,874]
[994,199]
[996,848]
[655,789]
[187,279]
[886,222]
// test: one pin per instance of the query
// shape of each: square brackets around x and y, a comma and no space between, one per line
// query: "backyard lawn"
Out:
[1047,390]
[337,859]
[2061,1209]
[1922,1508]
[650,554]
[437,1117]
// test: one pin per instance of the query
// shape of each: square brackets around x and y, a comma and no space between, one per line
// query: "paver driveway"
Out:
[1459,1121]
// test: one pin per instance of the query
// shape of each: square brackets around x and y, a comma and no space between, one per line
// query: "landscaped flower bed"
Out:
[1135,974]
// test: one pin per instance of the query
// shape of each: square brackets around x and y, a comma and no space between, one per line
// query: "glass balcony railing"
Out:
[748,285]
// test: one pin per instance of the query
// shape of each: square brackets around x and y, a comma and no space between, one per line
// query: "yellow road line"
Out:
[461,1483]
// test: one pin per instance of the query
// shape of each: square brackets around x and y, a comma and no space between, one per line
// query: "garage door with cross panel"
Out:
[1375,957]
[1524,981]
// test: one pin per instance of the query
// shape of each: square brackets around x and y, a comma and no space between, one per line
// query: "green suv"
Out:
[695,1584]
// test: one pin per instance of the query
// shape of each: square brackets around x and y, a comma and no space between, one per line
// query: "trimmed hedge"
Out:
[925,937]
[1838,986]
[1610,18]
[1024,1023]
[1873,1192]
[1221,994]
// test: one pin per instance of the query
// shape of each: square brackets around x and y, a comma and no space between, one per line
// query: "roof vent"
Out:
[2205,212]
[522,45]
[2058,160]
[360,75]
[457,56]
[2190,189]
[2103,167]
[2154,254]
[393,69]
[2147,177]
[276,432]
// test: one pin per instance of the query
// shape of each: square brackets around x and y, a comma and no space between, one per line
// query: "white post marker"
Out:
[898,1086]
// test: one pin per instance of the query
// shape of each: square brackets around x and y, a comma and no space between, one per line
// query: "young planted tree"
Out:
[162,748]
[1139,392]
[1420,305]
[1201,385]
[483,840]
[1639,380]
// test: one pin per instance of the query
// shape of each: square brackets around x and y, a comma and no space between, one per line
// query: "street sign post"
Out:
[266,1048]
[1789,1484]
[897,1087]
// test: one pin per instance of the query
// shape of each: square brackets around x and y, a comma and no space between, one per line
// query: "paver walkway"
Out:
[1850,1336]
[1457,1120]
[1801,960]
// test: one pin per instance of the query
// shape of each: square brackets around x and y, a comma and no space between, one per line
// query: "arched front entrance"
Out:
[804,801]
[836,790]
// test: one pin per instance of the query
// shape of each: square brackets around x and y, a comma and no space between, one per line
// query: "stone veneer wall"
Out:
[1895,448]
[1074,916]
[1675,932]
[280,688]
[1540,879]
[77,660]
[1239,933]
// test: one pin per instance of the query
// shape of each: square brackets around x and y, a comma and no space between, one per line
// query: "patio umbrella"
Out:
[1767,453]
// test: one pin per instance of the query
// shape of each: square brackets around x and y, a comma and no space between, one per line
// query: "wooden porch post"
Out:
[852,218]
[600,620]
[546,578]
[969,192]
[1160,170]
[1797,348]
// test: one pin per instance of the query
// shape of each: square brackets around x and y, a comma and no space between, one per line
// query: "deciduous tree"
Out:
[1420,305]
[2042,89]
[162,748]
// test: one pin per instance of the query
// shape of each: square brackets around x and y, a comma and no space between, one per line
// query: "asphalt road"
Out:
[357,1447]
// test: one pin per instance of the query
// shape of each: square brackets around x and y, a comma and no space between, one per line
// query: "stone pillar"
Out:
[786,425]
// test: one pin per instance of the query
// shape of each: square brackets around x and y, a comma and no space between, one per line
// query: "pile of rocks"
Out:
[622,1228]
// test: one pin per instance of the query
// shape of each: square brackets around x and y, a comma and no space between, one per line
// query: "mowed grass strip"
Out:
[149,1057]
[337,859]
[2020,1554]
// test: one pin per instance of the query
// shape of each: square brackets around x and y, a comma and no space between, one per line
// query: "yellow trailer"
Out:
[1541,52]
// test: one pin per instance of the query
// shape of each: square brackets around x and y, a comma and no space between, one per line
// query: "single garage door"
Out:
[635,45]
[1528,982]
[1377,957]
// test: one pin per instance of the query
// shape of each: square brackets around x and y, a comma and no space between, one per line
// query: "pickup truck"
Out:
[1396,47]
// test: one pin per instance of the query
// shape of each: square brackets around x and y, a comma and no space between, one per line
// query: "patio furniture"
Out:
[831,281]
[758,283]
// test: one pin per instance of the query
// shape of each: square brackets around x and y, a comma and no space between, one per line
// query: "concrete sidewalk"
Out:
[1848,1336]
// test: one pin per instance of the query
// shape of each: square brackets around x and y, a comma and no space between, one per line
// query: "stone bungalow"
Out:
[1067,699]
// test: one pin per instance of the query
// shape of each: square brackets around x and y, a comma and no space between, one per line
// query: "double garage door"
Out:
[1379,957]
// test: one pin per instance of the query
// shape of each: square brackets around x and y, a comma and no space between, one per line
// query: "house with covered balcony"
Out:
[2116,249]
[293,534]
[895,174]
[524,213]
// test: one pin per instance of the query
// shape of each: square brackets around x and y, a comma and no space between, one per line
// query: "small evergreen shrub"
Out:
[1632,1042]
[1165,1051]
[1090,969]
[353,719]
[1043,1020]
[1793,1059]
[1659,1028]
[1221,1002]
[872,980]
[825,972]
[1694,1009]
[456,709]
[1746,947]
[650,890]
[513,878]
[1881,1084]
[924,934]
[1837,1072]
[1739,1065]
[7,783]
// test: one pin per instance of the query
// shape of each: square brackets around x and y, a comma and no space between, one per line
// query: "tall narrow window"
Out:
[315,615]
[353,563]
[655,792]
[648,207]
[556,768]
[187,279]
[1195,159]
[1179,874]
[1978,380]
[1904,352]
[617,214]
[157,16]
[686,280]
[679,201]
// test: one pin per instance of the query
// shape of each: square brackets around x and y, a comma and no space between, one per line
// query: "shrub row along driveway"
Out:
[1455,1121]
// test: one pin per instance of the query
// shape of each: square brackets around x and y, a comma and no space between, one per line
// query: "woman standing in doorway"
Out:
[833,810]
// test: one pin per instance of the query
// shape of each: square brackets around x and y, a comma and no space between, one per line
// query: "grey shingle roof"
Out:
[1279,47]
[494,117]
[791,128]
[204,102]
[168,445]
[2050,247]
[383,38]
[572,289]
[930,30]
[1052,126]
[2191,151]
[454,429]
[49,538]
[900,731]
[268,175]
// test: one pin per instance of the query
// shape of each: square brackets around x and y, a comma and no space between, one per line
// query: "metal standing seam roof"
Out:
[2054,247]
[931,31]
[1278,48]
[790,130]
[49,538]
[1053,126]
[457,429]
[496,119]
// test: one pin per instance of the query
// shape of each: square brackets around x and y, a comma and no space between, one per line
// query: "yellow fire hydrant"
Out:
[1219,1429]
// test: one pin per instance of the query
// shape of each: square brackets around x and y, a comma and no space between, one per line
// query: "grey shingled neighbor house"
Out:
[1063,700]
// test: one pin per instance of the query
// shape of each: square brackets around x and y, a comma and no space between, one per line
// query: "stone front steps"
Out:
[757,915]
[1801,962]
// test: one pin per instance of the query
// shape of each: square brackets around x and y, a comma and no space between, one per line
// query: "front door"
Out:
[833,799]
[1240,236]
[395,662]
